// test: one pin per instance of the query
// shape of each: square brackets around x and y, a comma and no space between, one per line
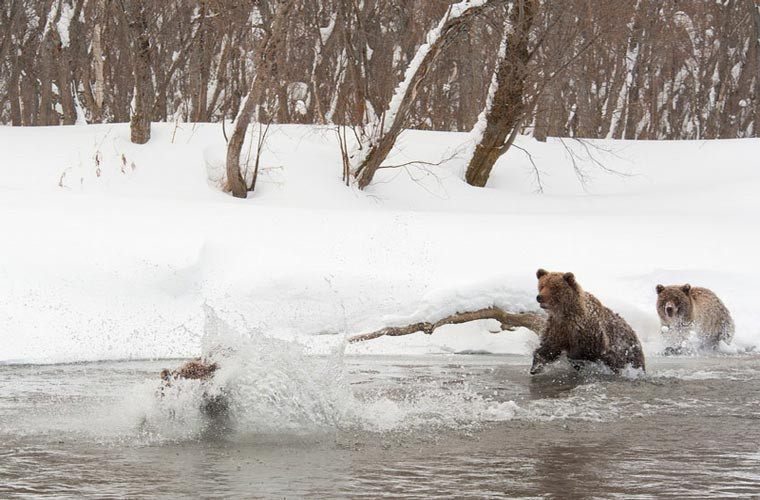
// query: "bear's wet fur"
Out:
[580,326]
[685,308]
[214,406]
[195,369]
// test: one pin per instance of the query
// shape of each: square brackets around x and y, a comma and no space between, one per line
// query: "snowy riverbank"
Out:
[109,250]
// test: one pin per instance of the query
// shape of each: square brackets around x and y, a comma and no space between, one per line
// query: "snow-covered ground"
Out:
[110,250]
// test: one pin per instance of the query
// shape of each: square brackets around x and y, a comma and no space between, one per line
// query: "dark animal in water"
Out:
[582,327]
[214,406]
[684,309]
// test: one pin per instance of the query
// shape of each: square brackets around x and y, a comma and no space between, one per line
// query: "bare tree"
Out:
[139,13]
[96,96]
[505,105]
[755,12]
[267,60]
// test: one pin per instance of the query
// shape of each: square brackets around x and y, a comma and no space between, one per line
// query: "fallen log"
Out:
[533,321]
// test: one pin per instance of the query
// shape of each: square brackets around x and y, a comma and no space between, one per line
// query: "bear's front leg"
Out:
[545,354]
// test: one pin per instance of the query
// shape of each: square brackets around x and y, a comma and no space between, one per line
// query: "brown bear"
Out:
[195,369]
[684,309]
[214,406]
[580,326]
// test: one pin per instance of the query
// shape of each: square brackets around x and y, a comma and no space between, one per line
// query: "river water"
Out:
[457,426]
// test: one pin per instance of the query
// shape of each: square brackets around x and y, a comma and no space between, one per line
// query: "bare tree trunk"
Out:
[235,182]
[634,107]
[505,108]
[629,63]
[324,36]
[141,52]
[60,73]
[46,115]
[614,97]
[393,120]
[200,62]
[97,62]
[7,18]
[266,66]
[756,19]
[541,116]
[221,82]
[356,46]
[13,93]
[64,82]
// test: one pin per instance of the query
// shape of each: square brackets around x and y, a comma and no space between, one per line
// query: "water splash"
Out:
[275,387]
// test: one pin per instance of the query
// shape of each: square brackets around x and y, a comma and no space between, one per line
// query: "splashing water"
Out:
[276,388]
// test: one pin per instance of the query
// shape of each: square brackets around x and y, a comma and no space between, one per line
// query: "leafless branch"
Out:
[509,321]
[420,162]
[536,171]
[579,173]
[587,147]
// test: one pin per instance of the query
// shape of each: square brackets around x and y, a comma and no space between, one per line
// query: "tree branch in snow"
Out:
[425,171]
[576,158]
[509,321]
[340,130]
[536,171]
[420,162]
[262,139]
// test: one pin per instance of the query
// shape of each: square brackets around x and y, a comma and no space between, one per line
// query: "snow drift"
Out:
[110,250]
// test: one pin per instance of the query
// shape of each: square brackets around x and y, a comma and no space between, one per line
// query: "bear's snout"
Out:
[669,311]
[541,301]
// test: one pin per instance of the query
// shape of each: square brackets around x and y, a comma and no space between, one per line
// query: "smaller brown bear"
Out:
[213,406]
[580,326]
[684,309]
[195,369]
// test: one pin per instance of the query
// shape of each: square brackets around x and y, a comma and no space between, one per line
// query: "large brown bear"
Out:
[580,326]
[683,309]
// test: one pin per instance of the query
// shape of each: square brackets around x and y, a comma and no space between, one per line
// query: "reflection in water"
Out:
[571,470]
[454,427]
[555,384]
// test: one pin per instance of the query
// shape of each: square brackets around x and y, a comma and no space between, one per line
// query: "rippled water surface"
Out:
[432,427]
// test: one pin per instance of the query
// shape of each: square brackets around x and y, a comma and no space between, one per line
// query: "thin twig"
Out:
[587,145]
[259,147]
[420,162]
[582,176]
[536,171]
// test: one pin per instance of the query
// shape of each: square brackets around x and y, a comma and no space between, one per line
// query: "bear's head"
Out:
[558,292]
[674,305]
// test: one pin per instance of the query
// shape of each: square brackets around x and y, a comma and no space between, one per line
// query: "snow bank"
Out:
[110,250]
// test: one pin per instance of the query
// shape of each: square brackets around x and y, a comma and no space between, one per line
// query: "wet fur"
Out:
[215,406]
[580,326]
[694,309]
[196,369]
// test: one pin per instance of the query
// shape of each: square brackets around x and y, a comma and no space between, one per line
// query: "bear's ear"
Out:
[686,288]
[541,272]
[659,289]
[570,279]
